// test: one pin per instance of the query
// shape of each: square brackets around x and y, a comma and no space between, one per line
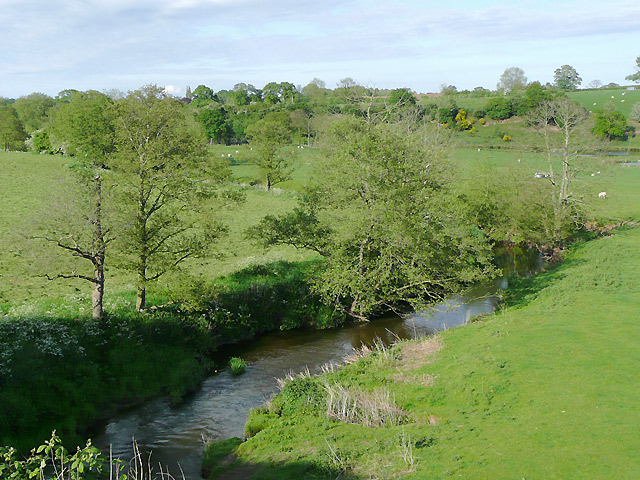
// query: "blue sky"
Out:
[47,46]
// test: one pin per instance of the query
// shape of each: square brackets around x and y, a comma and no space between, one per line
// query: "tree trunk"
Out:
[98,293]
[99,247]
[141,298]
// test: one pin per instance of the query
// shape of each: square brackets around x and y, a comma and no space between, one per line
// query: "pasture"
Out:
[621,98]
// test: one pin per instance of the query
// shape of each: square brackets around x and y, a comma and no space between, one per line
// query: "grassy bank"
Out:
[540,390]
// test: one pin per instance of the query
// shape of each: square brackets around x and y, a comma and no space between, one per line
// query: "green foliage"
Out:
[216,123]
[91,367]
[85,463]
[611,125]
[12,133]
[566,78]
[635,77]
[161,159]
[258,299]
[266,138]
[381,200]
[237,365]
[257,420]
[301,395]
[33,110]
[499,108]
[40,142]
[512,79]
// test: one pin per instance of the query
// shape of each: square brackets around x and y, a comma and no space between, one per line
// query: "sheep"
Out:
[229,156]
[602,195]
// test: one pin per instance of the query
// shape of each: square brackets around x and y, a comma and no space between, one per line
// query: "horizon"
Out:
[104,45]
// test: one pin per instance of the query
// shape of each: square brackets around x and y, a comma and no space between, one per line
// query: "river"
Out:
[175,434]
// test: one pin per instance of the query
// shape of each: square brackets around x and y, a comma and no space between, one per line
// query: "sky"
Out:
[51,45]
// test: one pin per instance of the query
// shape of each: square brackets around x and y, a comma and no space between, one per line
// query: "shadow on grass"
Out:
[219,462]
[523,291]
[238,470]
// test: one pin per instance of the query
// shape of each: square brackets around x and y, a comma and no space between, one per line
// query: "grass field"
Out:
[621,98]
[539,391]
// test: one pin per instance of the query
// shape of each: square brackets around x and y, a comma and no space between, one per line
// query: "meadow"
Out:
[621,98]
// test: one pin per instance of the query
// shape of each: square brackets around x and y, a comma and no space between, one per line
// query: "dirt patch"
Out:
[416,354]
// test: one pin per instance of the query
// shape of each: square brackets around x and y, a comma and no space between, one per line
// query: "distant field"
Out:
[621,98]
[28,181]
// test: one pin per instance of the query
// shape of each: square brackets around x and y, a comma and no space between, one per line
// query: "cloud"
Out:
[213,41]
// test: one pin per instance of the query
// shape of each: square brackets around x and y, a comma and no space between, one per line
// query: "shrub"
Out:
[611,125]
[301,395]
[506,138]
[499,108]
[238,365]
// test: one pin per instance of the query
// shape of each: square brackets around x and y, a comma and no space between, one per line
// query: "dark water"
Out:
[174,433]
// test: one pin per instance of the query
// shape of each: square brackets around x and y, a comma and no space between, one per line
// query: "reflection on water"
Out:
[174,433]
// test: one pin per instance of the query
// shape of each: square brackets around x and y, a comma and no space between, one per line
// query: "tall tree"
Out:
[12,134]
[566,78]
[384,221]
[32,110]
[266,138]
[512,79]
[565,116]
[85,124]
[161,166]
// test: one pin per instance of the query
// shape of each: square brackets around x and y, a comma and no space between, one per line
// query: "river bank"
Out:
[514,395]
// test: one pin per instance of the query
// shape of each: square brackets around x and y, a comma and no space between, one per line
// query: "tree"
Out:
[611,125]
[499,108]
[635,77]
[595,84]
[383,220]
[85,124]
[12,134]
[202,96]
[266,138]
[566,78]
[160,163]
[566,116]
[512,79]
[32,110]
[215,123]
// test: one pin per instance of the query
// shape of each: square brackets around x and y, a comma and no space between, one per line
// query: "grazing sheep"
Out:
[593,174]
[602,195]
[229,156]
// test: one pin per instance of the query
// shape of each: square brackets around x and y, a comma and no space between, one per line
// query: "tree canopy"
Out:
[566,78]
[383,220]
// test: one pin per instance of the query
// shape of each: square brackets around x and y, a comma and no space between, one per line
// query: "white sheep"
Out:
[602,195]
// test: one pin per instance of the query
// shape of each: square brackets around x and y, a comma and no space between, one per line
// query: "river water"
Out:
[175,434]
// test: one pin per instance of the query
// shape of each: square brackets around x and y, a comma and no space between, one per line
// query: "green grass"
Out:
[587,98]
[540,390]
[237,365]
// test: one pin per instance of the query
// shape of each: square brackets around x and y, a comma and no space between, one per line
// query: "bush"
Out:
[499,108]
[302,395]
[238,365]
[611,125]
